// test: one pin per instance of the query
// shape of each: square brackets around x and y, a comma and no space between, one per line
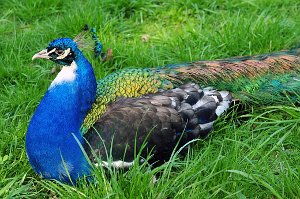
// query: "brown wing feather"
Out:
[157,120]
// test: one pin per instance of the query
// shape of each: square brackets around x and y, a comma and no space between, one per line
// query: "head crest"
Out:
[87,39]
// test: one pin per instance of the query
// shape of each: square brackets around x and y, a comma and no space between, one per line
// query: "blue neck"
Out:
[51,145]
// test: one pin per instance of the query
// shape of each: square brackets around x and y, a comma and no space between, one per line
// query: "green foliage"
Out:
[248,156]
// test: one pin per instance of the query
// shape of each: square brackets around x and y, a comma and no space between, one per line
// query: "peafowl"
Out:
[151,110]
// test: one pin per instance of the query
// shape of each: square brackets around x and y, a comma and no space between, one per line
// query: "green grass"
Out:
[247,156]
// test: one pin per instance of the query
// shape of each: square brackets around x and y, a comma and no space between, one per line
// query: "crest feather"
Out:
[88,40]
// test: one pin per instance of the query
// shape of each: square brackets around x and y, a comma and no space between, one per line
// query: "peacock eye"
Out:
[59,52]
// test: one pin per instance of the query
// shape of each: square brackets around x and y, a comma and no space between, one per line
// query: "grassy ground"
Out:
[250,156]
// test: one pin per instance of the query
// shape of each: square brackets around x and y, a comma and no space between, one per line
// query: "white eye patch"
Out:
[65,54]
[51,51]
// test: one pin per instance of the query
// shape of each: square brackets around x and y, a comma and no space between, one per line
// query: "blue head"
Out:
[62,51]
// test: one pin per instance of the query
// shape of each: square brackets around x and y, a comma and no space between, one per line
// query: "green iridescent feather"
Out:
[262,79]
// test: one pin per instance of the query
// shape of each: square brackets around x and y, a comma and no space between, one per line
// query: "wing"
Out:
[156,121]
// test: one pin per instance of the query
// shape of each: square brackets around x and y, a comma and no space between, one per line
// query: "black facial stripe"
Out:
[69,58]
[65,61]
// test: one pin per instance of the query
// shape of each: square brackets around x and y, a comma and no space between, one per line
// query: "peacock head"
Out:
[62,51]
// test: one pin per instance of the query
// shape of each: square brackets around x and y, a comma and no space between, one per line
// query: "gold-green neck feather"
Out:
[125,83]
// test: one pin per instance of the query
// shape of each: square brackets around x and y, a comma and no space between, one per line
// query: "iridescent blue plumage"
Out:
[54,131]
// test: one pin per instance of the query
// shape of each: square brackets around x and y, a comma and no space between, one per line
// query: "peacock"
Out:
[81,121]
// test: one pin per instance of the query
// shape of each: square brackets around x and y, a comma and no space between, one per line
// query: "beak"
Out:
[41,55]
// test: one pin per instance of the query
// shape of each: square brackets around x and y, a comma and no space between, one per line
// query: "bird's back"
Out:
[261,79]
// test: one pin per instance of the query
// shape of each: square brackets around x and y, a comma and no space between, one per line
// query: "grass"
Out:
[247,156]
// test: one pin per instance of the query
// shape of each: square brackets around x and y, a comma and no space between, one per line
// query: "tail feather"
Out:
[268,75]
